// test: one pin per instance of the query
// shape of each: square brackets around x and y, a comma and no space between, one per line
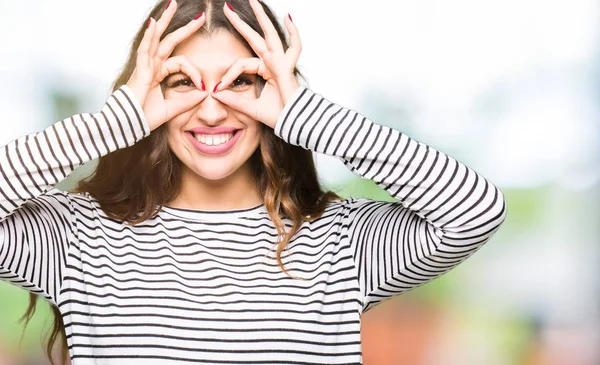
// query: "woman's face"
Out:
[212,140]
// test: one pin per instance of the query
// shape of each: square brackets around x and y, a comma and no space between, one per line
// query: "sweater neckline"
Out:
[196,214]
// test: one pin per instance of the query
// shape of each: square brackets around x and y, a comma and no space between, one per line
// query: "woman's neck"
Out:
[237,191]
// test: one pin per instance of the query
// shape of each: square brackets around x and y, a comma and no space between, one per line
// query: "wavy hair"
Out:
[132,184]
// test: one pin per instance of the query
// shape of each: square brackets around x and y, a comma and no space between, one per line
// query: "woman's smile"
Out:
[214,142]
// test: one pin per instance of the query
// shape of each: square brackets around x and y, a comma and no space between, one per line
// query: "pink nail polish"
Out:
[217,87]
[229,6]
[169,3]
[149,21]
[199,16]
[289,16]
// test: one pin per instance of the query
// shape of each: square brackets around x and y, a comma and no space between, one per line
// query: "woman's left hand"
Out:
[273,64]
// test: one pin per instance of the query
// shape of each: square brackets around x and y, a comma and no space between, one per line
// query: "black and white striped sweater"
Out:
[193,286]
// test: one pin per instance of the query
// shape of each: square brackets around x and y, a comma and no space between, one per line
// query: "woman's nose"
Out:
[211,111]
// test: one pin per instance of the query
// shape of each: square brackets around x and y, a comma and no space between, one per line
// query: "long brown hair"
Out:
[132,184]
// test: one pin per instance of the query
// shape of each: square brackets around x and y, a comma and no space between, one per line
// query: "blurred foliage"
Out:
[526,207]
[65,104]
[511,334]
[13,335]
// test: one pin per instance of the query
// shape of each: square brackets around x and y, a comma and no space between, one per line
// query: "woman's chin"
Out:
[213,172]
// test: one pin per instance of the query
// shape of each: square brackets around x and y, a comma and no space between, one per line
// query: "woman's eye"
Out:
[241,82]
[180,82]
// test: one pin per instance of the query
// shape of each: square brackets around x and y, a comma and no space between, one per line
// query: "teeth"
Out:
[213,139]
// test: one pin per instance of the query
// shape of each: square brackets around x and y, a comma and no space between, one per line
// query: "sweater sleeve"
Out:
[37,222]
[445,211]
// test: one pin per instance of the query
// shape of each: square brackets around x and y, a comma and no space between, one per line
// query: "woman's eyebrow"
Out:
[170,76]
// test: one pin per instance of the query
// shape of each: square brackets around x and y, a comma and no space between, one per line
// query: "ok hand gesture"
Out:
[153,64]
[273,64]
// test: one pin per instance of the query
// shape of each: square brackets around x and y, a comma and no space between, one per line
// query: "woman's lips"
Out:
[214,150]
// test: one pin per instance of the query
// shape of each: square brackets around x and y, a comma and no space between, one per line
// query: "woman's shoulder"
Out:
[86,206]
[351,202]
[57,204]
[346,205]
[350,207]
[83,199]
[58,197]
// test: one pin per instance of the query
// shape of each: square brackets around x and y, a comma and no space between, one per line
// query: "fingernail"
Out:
[199,16]
[149,21]
[202,86]
[169,3]
[289,16]
[229,6]
[217,87]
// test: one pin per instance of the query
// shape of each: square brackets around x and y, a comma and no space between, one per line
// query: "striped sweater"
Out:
[190,286]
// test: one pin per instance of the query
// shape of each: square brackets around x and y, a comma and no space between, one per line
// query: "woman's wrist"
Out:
[287,89]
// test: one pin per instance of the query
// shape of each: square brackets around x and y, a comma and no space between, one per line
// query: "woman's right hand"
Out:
[154,63]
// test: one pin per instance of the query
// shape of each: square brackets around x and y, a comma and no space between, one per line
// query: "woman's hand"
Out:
[153,65]
[273,64]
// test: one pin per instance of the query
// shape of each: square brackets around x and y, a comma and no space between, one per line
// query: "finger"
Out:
[181,64]
[295,44]
[144,47]
[243,65]
[182,102]
[237,102]
[168,44]
[271,35]
[162,24]
[254,39]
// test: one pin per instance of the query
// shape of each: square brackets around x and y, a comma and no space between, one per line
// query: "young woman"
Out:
[203,236]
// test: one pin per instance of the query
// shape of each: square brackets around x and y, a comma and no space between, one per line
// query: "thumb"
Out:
[242,104]
[183,102]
